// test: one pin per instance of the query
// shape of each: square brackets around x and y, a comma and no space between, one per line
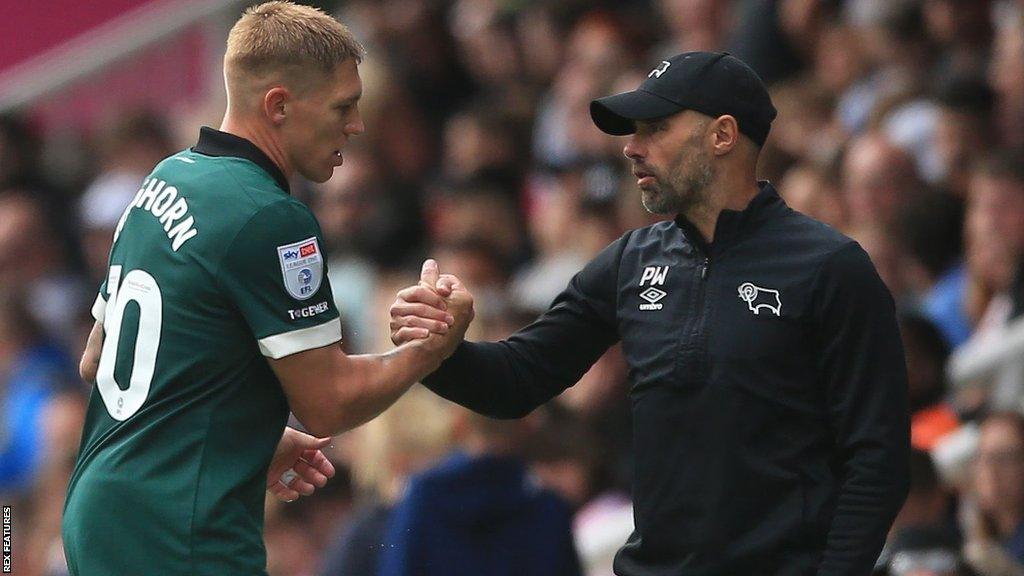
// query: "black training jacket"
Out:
[768,387]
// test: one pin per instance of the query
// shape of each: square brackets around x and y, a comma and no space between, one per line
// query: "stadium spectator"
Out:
[816,193]
[42,407]
[929,504]
[594,59]
[129,149]
[995,527]
[773,36]
[571,456]
[556,230]
[406,439]
[963,130]
[930,231]
[878,180]
[1006,69]
[994,233]
[961,32]
[481,211]
[480,512]
[33,258]
[931,416]
[692,25]
[924,551]
[804,129]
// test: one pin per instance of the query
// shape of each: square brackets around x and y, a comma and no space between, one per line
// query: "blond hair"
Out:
[411,435]
[279,40]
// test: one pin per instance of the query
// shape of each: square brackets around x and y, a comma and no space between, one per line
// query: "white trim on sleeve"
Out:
[99,308]
[288,343]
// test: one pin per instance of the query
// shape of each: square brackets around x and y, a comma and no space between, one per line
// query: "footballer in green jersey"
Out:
[216,319]
[213,266]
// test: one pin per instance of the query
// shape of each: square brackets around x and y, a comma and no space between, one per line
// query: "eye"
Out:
[651,127]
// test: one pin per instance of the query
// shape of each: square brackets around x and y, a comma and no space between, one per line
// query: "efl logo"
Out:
[307,250]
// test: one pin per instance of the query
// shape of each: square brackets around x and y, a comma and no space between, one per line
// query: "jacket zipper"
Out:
[699,336]
[698,325]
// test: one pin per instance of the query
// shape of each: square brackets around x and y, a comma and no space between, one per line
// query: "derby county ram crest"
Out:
[759,299]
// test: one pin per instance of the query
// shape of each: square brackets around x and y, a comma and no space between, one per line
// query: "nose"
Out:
[633,150]
[355,127]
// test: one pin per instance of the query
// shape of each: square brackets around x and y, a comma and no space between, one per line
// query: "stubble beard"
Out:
[686,183]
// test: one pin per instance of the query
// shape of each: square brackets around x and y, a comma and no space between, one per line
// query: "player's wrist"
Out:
[431,352]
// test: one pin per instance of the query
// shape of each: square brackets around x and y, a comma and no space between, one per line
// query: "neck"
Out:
[261,136]
[731,190]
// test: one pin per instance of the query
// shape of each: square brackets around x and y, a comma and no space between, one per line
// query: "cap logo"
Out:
[657,72]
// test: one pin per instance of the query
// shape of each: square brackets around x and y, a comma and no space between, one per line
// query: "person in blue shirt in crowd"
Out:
[34,374]
[479,512]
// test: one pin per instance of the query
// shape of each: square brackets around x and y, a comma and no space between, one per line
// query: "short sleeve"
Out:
[99,307]
[275,273]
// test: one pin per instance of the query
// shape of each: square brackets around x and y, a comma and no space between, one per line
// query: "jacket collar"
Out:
[732,223]
[216,143]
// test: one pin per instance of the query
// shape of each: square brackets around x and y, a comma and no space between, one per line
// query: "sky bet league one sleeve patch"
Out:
[302,266]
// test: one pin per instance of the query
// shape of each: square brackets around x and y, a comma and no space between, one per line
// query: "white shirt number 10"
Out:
[137,286]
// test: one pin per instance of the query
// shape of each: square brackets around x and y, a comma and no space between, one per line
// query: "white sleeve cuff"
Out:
[99,308]
[288,343]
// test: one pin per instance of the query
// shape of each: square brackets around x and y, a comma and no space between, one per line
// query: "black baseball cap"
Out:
[712,83]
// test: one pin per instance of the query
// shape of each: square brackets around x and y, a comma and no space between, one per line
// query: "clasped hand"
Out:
[437,311]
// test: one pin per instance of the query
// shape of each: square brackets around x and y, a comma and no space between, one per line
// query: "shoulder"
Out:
[283,227]
[796,234]
[456,466]
[805,228]
[653,233]
[236,180]
[279,211]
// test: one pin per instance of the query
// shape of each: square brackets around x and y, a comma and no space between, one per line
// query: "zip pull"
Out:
[704,268]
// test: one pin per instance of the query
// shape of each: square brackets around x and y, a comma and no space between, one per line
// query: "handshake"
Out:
[433,314]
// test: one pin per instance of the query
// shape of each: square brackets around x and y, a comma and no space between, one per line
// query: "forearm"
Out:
[375,381]
[352,389]
[508,379]
[492,379]
[90,361]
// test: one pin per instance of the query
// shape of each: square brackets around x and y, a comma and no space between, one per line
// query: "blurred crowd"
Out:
[901,123]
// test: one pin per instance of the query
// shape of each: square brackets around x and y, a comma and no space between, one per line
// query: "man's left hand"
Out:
[298,467]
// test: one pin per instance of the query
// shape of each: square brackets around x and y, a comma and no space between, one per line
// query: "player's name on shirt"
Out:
[162,201]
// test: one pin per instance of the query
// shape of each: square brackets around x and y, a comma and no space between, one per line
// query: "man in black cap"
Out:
[768,383]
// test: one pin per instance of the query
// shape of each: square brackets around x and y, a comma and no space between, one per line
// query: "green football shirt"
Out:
[214,266]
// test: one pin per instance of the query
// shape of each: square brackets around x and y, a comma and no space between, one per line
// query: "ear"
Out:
[725,134]
[275,104]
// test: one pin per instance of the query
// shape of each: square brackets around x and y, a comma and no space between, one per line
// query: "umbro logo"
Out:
[652,295]
[653,276]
